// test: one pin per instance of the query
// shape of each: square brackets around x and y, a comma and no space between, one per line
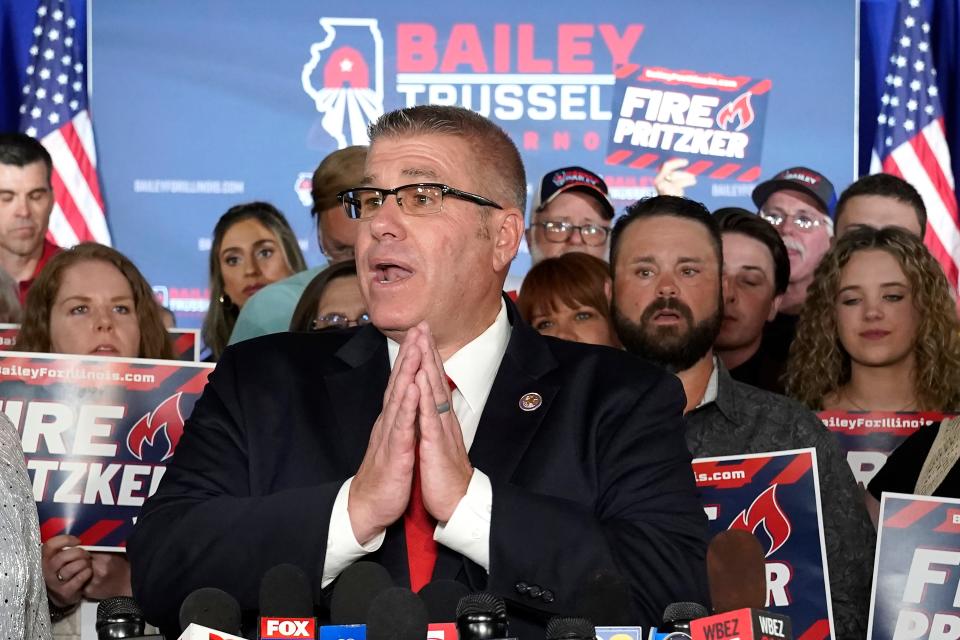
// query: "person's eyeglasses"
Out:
[422,199]
[556,231]
[802,222]
[338,320]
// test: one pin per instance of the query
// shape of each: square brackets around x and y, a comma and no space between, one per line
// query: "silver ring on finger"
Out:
[59,576]
[443,407]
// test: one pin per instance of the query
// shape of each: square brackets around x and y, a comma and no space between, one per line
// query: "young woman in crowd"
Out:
[568,297]
[89,300]
[253,246]
[331,299]
[879,332]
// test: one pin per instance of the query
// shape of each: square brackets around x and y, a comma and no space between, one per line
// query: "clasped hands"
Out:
[408,425]
[72,573]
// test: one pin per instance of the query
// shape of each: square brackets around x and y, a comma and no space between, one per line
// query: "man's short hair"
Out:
[19,150]
[674,206]
[888,186]
[737,220]
[339,171]
[495,156]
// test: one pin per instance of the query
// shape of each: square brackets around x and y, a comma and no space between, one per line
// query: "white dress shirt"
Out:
[472,369]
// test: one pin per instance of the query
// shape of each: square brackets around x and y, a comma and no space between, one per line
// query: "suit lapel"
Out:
[356,394]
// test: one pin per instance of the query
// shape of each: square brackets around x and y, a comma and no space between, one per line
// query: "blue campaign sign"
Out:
[916,581]
[776,496]
[199,106]
[97,434]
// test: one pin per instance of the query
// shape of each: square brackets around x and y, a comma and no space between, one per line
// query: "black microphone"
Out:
[213,608]
[441,598]
[678,616]
[482,616]
[286,604]
[605,599]
[119,618]
[570,629]
[397,614]
[356,588]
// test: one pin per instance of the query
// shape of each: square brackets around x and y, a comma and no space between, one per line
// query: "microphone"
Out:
[737,571]
[604,598]
[441,598]
[119,618]
[211,608]
[570,629]
[356,588]
[397,614]
[743,624]
[482,616]
[677,618]
[286,605]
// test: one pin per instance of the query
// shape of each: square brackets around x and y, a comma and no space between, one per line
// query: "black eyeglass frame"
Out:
[353,204]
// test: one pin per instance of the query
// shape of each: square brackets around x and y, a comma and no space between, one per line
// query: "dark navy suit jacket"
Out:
[596,478]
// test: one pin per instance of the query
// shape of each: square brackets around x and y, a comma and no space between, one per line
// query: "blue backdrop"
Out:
[199,106]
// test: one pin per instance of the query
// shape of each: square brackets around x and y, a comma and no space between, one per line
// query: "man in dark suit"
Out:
[449,439]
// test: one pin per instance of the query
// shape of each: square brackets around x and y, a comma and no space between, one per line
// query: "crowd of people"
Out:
[634,343]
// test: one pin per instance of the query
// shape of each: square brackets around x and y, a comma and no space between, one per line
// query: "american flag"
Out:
[55,110]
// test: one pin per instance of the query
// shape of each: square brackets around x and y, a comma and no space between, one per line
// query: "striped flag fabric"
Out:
[54,109]
[911,142]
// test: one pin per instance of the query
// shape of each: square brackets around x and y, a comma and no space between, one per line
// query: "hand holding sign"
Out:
[671,179]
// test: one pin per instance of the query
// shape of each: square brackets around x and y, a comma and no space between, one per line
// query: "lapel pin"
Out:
[531,401]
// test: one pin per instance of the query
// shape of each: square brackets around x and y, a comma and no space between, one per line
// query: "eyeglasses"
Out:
[421,199]
[802,222]
[338,320]
[556,231]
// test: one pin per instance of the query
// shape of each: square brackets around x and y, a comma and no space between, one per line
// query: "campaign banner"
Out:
[186,344]
[553,76]
[97,433]
[869,437]
[916,581]
[716,121]
[776,496]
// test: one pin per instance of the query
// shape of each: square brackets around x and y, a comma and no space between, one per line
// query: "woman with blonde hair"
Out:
[879,329]
[253,246]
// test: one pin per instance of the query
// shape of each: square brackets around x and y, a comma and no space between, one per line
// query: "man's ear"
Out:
[506,237]
[775,307]
[608,290]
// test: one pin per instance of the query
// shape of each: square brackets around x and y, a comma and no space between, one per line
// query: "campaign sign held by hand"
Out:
[97,434]
[714,120]
[776,496]
[916,574]
[869,437]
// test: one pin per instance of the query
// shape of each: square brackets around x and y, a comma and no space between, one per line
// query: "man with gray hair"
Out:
[445,440]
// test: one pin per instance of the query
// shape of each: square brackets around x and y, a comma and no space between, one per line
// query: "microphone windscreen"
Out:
[482,602]
[356,588]
[605,599]
[441,598]
[124,606]
[285,592]
[213,608]
[570,629]
[736,571]
[397,614]
[684,612]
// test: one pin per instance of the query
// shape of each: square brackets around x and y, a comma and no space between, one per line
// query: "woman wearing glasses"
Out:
[331,300]
[253,246]
[568,297]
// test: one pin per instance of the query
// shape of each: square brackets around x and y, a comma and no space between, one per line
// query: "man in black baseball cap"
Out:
[571,213]
[799,202]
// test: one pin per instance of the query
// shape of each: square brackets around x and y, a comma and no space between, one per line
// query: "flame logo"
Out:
[765,511]
[166,417]
[740,109]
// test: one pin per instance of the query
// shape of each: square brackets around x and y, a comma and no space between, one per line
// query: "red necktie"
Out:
[418,525]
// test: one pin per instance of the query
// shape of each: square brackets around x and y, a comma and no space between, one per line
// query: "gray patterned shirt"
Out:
[744,419]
